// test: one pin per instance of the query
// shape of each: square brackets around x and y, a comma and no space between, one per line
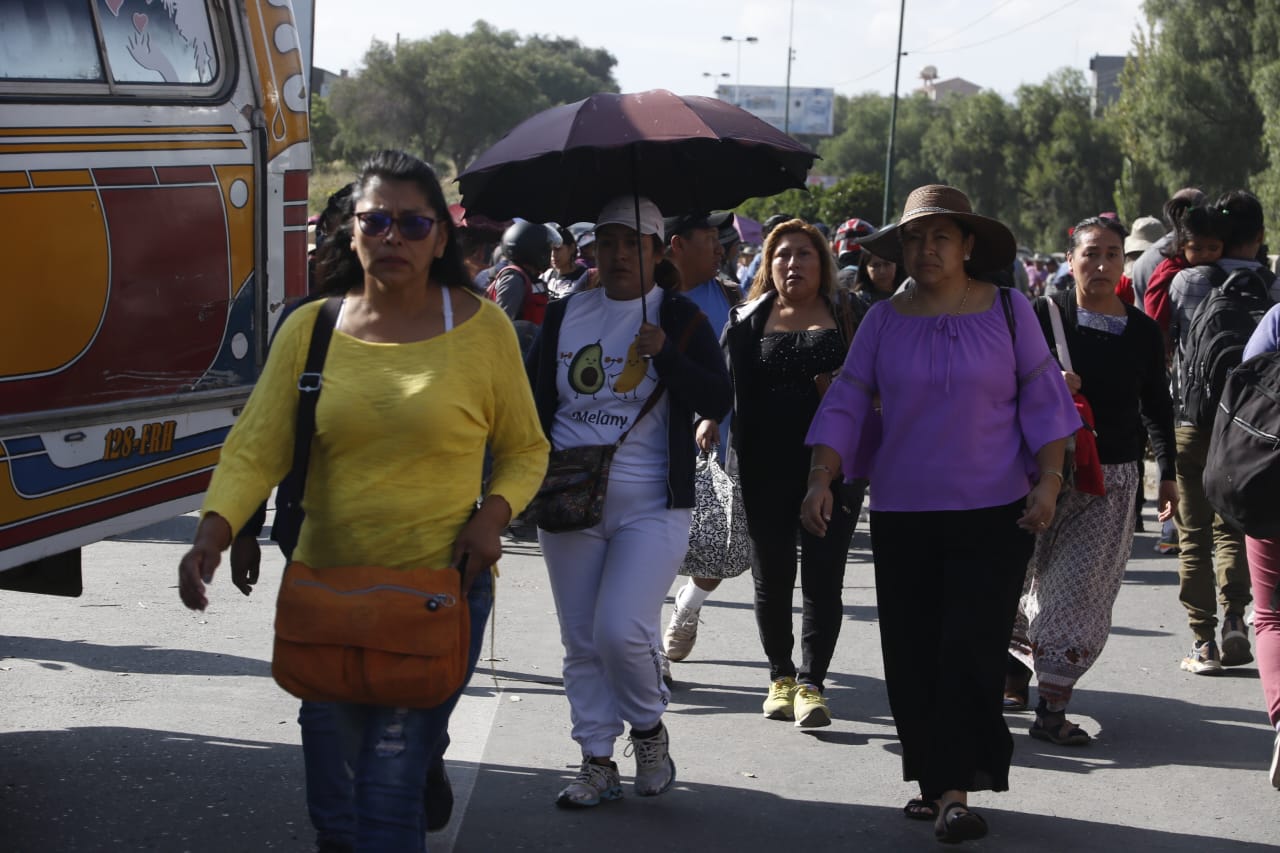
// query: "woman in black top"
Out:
[792,329]
[1117,364]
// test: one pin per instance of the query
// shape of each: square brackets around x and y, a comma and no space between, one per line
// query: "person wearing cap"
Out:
[769,224]
[950,403]
[584,234]
[694,247]
[1144,234]
[604,365]
[731,246]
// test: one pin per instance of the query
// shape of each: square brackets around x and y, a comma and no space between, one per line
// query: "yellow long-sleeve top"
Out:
[401,430]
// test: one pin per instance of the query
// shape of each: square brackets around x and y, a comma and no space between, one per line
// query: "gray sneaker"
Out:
[681,633]
[1204,659]
[1235,641]
[594,784]
[654,769]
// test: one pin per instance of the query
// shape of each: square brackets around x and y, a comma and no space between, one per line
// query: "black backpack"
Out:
[1217,335]
[1242,471]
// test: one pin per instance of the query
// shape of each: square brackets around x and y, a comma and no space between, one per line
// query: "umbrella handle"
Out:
[635,197]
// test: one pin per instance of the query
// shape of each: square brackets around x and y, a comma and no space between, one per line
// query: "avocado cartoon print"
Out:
[586,373]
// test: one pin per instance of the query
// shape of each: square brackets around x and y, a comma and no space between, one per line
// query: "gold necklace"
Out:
[911,294]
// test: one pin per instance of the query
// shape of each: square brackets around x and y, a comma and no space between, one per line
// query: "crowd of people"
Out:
[996,412]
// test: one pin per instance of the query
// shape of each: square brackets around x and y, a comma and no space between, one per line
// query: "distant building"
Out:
[936,89]
[1106,81]
[322,80]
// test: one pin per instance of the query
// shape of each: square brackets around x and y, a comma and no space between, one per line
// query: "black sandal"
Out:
[918,808]
[959,823]
[1054,727]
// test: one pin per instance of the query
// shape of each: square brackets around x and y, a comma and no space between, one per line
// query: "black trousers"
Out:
[948,585]
[772,504]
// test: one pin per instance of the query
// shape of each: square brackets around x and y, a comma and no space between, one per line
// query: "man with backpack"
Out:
[1215,310]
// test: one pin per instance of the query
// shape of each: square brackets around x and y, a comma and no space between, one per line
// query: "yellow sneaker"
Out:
[810,709]
[781,700]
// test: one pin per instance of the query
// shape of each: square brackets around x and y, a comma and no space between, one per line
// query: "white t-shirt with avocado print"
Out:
[603,384]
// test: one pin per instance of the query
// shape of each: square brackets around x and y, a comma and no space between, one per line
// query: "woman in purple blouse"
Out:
[951,404]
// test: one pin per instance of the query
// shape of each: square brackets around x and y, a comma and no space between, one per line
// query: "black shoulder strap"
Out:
[1006,302]
[309,389]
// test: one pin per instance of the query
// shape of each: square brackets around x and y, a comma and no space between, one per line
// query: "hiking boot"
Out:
[655,770]
[810,709]
[1204,659]
[780,703]
[665,663]
[594,784]
[1235,641]
[682,633]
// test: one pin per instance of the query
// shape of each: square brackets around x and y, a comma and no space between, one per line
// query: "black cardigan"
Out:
[696,380]
[1125,381]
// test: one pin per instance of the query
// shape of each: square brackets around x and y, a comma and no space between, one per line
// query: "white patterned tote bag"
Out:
[718,543]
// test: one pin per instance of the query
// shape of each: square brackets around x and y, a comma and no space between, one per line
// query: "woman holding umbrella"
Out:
[951,404]
[595,380]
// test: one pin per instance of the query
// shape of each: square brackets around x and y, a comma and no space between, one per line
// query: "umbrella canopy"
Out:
[682,152]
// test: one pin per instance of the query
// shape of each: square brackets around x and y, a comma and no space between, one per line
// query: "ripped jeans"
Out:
[390,749]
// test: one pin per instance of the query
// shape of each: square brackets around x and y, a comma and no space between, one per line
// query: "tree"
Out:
[972,143]
[448,97]
[1195,99]
[1070,161]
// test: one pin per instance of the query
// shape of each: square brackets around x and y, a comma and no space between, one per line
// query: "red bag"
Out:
[1082,467]
[1086,466]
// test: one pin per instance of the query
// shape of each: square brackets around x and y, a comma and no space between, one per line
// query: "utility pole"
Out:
[791,54]
[893,120]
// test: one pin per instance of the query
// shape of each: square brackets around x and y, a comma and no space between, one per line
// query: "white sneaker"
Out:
[681,633]
[655,770]
[594,784]
[665,662]
[1275,763]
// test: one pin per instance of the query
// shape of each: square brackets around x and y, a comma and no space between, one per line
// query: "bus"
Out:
[154,160]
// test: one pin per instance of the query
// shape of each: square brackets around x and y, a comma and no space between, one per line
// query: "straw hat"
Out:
[993,248]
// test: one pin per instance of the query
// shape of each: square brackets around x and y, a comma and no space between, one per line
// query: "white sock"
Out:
[691,596]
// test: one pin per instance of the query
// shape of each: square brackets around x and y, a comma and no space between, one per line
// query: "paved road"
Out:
[128,723]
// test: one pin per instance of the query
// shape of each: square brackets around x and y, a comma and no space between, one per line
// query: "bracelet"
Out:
[1061,479]
[821,468]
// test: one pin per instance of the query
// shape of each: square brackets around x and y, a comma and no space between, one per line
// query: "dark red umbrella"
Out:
[683,153]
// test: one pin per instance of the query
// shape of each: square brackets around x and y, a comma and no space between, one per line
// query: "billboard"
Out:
[812,109]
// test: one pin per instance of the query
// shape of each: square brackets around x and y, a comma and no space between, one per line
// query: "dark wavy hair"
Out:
[337,265]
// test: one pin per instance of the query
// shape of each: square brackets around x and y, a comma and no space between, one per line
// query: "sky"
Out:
[848,45]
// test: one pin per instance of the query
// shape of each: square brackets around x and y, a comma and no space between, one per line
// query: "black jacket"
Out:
[696,381]
[1124,379]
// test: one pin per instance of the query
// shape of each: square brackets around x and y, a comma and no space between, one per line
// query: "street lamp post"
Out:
[737,88]
[715,77]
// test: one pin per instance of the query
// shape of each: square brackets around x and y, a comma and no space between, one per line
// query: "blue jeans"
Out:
[388,797]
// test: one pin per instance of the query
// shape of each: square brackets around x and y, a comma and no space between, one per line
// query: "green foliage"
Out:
[1199,102]
[856,195]
[448,97]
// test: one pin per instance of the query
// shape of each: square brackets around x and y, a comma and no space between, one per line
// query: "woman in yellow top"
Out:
[421,376]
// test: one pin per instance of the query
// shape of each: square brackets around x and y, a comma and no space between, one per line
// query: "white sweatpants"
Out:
[609,582]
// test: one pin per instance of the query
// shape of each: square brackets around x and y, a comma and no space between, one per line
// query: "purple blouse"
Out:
[964,408]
